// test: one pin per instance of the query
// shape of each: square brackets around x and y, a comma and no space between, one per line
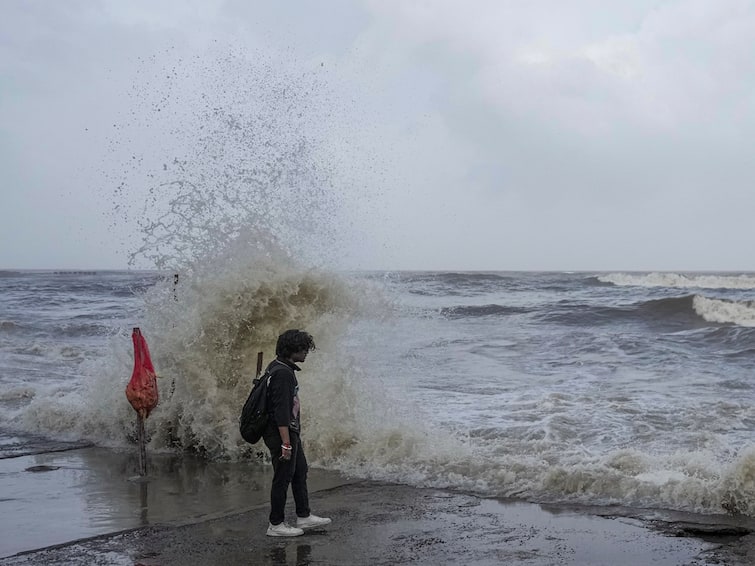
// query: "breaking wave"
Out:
[688,311]
[680,280]
[723,311]
[243,220]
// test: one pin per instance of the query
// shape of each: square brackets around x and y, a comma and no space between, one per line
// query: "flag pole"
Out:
[142,444]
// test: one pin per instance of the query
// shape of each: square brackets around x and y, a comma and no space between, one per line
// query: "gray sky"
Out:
[496,135]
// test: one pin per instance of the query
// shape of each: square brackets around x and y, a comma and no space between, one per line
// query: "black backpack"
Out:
[253,420]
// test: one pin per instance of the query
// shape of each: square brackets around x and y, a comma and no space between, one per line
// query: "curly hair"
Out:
[293,341]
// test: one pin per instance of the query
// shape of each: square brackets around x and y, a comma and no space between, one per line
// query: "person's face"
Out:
[299,356]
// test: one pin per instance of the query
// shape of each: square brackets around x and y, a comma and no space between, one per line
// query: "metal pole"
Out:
[142,446]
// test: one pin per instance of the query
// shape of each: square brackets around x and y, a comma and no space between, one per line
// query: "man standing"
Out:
[282,437]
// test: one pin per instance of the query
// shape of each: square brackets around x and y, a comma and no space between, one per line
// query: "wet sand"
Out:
[82,509]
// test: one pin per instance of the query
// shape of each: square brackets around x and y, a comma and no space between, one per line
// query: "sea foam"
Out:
[741,313]
[680,280]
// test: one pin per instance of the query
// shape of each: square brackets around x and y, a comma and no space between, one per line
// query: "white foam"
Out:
[738,484]
[17,393]
[724,311]
[681,281]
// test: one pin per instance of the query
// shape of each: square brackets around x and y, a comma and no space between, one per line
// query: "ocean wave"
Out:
[688,312]
[461,277]
[597,281]
[723,311]
[452,283]
[204,337]
[680,281]
[673,311]
[728,340]
[692,481]
[689,481]
[472,311]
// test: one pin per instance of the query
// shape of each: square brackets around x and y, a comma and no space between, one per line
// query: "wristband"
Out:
[286,446]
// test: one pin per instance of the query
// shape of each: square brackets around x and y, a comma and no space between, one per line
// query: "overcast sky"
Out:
[492,135]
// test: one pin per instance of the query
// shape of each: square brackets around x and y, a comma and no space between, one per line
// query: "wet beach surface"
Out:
[86,506]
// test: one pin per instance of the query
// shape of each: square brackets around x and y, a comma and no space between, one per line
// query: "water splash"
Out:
[235,200]
[225,147]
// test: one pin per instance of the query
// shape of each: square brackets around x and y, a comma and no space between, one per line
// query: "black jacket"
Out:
[283,395]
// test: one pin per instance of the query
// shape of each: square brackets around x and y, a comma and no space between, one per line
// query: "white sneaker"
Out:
[283,530]
[312,522]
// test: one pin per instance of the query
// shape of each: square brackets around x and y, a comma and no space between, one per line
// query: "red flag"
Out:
[141,391]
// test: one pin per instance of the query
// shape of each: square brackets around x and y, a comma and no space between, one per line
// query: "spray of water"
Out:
[234,194]
[225,147]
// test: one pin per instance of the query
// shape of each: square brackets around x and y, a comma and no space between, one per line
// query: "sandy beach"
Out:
[82,507]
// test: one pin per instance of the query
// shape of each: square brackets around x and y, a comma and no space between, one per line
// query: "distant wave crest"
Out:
[680,280]
[683,310]
[690,311]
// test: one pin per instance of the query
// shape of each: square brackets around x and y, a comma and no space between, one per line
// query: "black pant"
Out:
[291,472]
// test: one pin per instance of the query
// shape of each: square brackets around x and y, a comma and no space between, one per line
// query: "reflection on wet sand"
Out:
[57,497]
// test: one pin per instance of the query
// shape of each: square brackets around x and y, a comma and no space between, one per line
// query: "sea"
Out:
[625,388]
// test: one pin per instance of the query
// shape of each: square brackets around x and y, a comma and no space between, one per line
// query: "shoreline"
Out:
[379,523]
[83,506]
